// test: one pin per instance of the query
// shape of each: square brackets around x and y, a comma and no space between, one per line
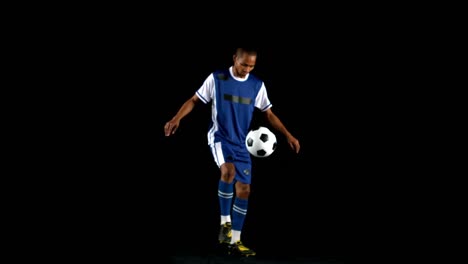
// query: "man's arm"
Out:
[172,125]
[278,125]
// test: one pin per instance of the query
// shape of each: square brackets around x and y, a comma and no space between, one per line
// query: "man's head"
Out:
[244,61]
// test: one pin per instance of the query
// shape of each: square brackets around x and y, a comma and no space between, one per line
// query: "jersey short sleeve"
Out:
[206,91]
[261,101]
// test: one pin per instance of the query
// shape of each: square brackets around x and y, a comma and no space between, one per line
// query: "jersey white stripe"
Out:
[214,115]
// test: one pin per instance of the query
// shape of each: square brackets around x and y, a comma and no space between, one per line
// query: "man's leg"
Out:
[223,156]
[239,209]
[225,195]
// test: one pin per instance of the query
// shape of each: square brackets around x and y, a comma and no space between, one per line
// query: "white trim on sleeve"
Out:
[262,101]
[206,91]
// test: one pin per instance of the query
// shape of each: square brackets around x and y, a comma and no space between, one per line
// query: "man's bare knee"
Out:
[228,171]
[242,190]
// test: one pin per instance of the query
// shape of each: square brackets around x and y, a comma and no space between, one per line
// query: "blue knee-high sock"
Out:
[225,194]
[239,210]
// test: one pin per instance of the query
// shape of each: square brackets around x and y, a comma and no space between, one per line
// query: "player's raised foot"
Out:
[238,249]
[225,233]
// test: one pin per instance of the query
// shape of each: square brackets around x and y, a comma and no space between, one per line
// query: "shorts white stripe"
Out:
[217,152]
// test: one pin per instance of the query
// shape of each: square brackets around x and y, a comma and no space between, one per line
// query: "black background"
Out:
[105,84]
[155,193]
[301,204]
[297,205]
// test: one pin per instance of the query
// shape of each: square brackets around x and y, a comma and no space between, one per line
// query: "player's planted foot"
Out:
[225,234]
[238,249]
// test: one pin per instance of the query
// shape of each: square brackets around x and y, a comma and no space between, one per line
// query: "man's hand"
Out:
[171,127]
[294,143]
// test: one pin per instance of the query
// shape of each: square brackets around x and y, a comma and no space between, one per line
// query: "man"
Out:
[234,94]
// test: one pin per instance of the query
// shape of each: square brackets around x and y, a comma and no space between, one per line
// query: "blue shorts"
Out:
[225,152]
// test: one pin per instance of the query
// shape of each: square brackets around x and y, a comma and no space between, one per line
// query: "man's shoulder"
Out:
[254,77]
[221,74]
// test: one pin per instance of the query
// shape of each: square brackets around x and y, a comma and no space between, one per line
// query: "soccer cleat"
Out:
[225,234]
[238,249]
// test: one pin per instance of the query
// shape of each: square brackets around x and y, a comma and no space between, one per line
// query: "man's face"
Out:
[243,64]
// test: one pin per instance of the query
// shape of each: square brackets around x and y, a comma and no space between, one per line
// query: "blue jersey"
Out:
[233,102]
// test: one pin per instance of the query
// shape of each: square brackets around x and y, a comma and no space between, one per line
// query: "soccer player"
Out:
[234,93]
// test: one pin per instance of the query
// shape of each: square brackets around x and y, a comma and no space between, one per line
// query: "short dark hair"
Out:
[248,50]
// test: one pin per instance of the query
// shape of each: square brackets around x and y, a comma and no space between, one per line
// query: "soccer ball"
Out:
[260,142]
